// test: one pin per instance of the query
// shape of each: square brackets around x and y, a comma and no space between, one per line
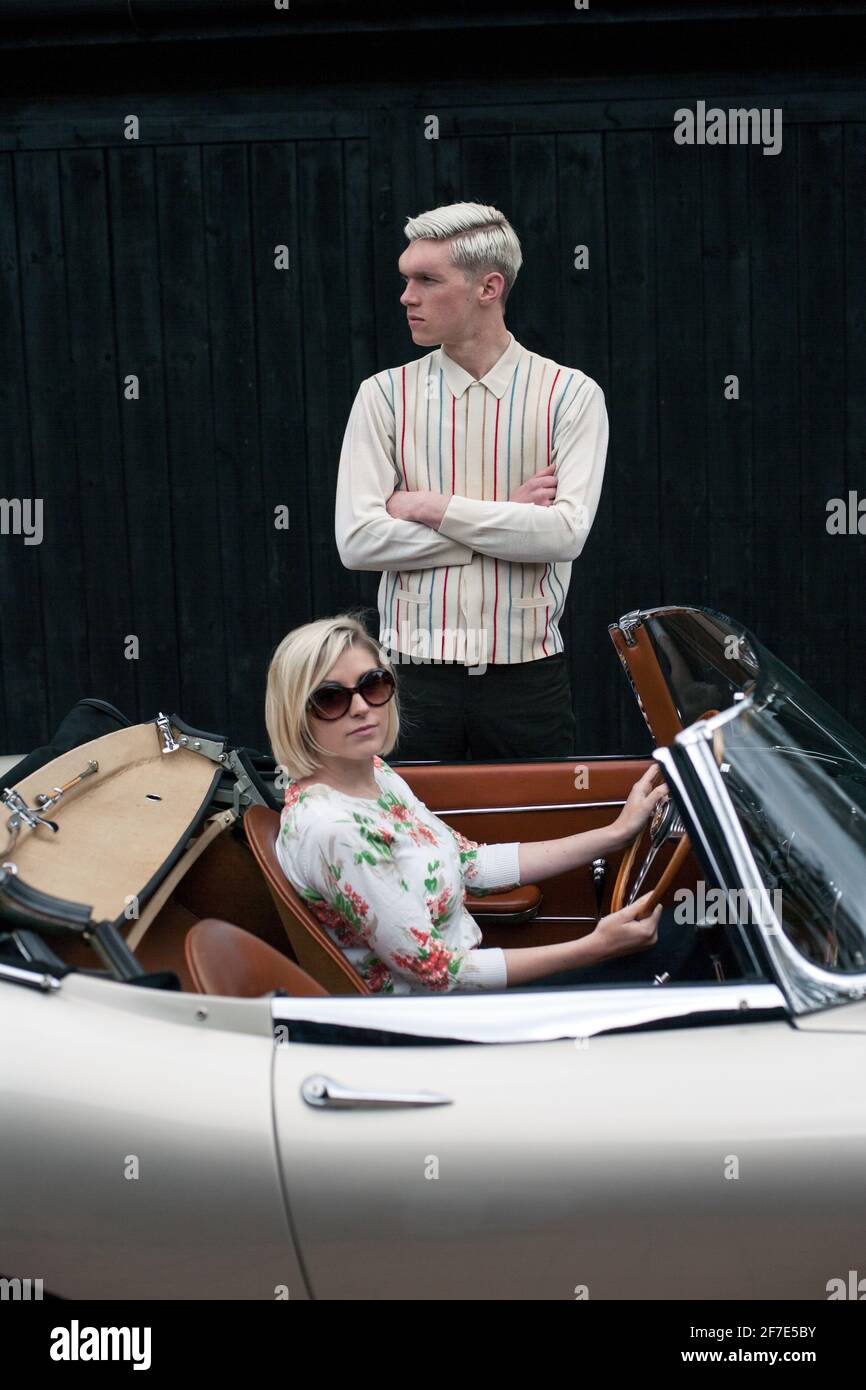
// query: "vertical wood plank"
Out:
[237,441]
[595,671]
[136,274]
[23,687]
[198,572]
[729,530]
[327,388]
[104,537]
[822,408]
[358,587]
[775,502]
[62,618]
[287,580]
[533,191]
[682,406]
[633,460]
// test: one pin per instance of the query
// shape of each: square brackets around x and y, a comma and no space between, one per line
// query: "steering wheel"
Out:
[664,824]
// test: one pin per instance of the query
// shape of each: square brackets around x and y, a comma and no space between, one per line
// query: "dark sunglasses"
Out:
[331,701]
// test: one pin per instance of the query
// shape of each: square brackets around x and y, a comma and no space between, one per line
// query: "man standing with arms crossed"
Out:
[471,477]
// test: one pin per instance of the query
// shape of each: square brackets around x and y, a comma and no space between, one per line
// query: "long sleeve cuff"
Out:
[496,866]
[484,968]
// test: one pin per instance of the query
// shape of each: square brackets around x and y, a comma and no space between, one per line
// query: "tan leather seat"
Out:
[223,959]
[314,950]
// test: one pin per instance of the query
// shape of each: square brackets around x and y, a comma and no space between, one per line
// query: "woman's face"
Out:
[344,738]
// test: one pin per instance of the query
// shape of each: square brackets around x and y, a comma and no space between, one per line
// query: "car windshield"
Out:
[796,775]
[705,658]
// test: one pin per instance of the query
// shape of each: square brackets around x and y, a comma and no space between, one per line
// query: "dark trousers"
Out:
[519,710]
[676,951]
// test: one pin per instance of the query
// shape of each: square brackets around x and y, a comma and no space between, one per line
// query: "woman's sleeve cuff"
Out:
[484,969]
[497,866]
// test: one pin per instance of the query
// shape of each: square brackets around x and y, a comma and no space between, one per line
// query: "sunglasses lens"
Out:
[330,704]
[377,687]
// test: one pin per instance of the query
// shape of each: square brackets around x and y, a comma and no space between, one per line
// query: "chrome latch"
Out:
[22,814]
[627,624]
[170,743]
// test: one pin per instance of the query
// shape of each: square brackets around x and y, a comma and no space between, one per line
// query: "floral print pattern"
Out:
[386,879]
[431,963]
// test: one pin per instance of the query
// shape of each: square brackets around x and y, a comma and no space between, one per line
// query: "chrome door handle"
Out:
[321,1091]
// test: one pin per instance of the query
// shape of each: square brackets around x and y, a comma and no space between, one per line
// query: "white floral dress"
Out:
[387,879]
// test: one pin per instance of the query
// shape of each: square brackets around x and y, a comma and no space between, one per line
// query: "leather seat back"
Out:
[313,948]
[224,959]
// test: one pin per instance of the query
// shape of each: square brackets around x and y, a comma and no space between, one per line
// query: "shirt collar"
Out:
[497,380]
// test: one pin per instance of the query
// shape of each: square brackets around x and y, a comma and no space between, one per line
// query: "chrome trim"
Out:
[505,919]
[666,824]
[627,624]
[699,835]
[542,1015]
[505,810]
[807,986]
[558,761]
[558,917]
[169,743]
[33,979]
[805,753]
[325,1094]
[599,874]
[22,813]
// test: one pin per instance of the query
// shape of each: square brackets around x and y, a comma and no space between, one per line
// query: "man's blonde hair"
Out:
[482,239]
[300,663]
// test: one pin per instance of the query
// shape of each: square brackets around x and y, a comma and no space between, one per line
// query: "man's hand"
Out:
[540,488]
[419,505]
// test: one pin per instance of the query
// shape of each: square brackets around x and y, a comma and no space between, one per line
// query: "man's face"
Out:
[437,293]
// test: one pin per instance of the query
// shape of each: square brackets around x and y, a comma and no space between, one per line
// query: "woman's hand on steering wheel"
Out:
[662,824]
[640,804]
[631,929]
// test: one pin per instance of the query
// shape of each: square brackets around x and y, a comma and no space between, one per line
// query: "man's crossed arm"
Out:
[429,508]
[369,536]
[547,518]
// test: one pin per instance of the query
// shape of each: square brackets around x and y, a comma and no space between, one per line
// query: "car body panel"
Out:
[605,1165]
[841,1018]
[102,1074]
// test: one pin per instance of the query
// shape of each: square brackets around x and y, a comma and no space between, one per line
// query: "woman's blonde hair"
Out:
[300,663]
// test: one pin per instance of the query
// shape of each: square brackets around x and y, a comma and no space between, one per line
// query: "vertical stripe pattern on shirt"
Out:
[482,445]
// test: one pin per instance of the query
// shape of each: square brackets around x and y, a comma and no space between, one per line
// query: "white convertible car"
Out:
[222,1114]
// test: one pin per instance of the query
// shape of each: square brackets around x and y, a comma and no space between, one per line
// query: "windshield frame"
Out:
[691,764]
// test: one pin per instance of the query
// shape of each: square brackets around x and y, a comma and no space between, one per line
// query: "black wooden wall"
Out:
[154,257]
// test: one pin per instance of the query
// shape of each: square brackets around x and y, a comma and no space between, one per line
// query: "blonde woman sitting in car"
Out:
[387,878]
